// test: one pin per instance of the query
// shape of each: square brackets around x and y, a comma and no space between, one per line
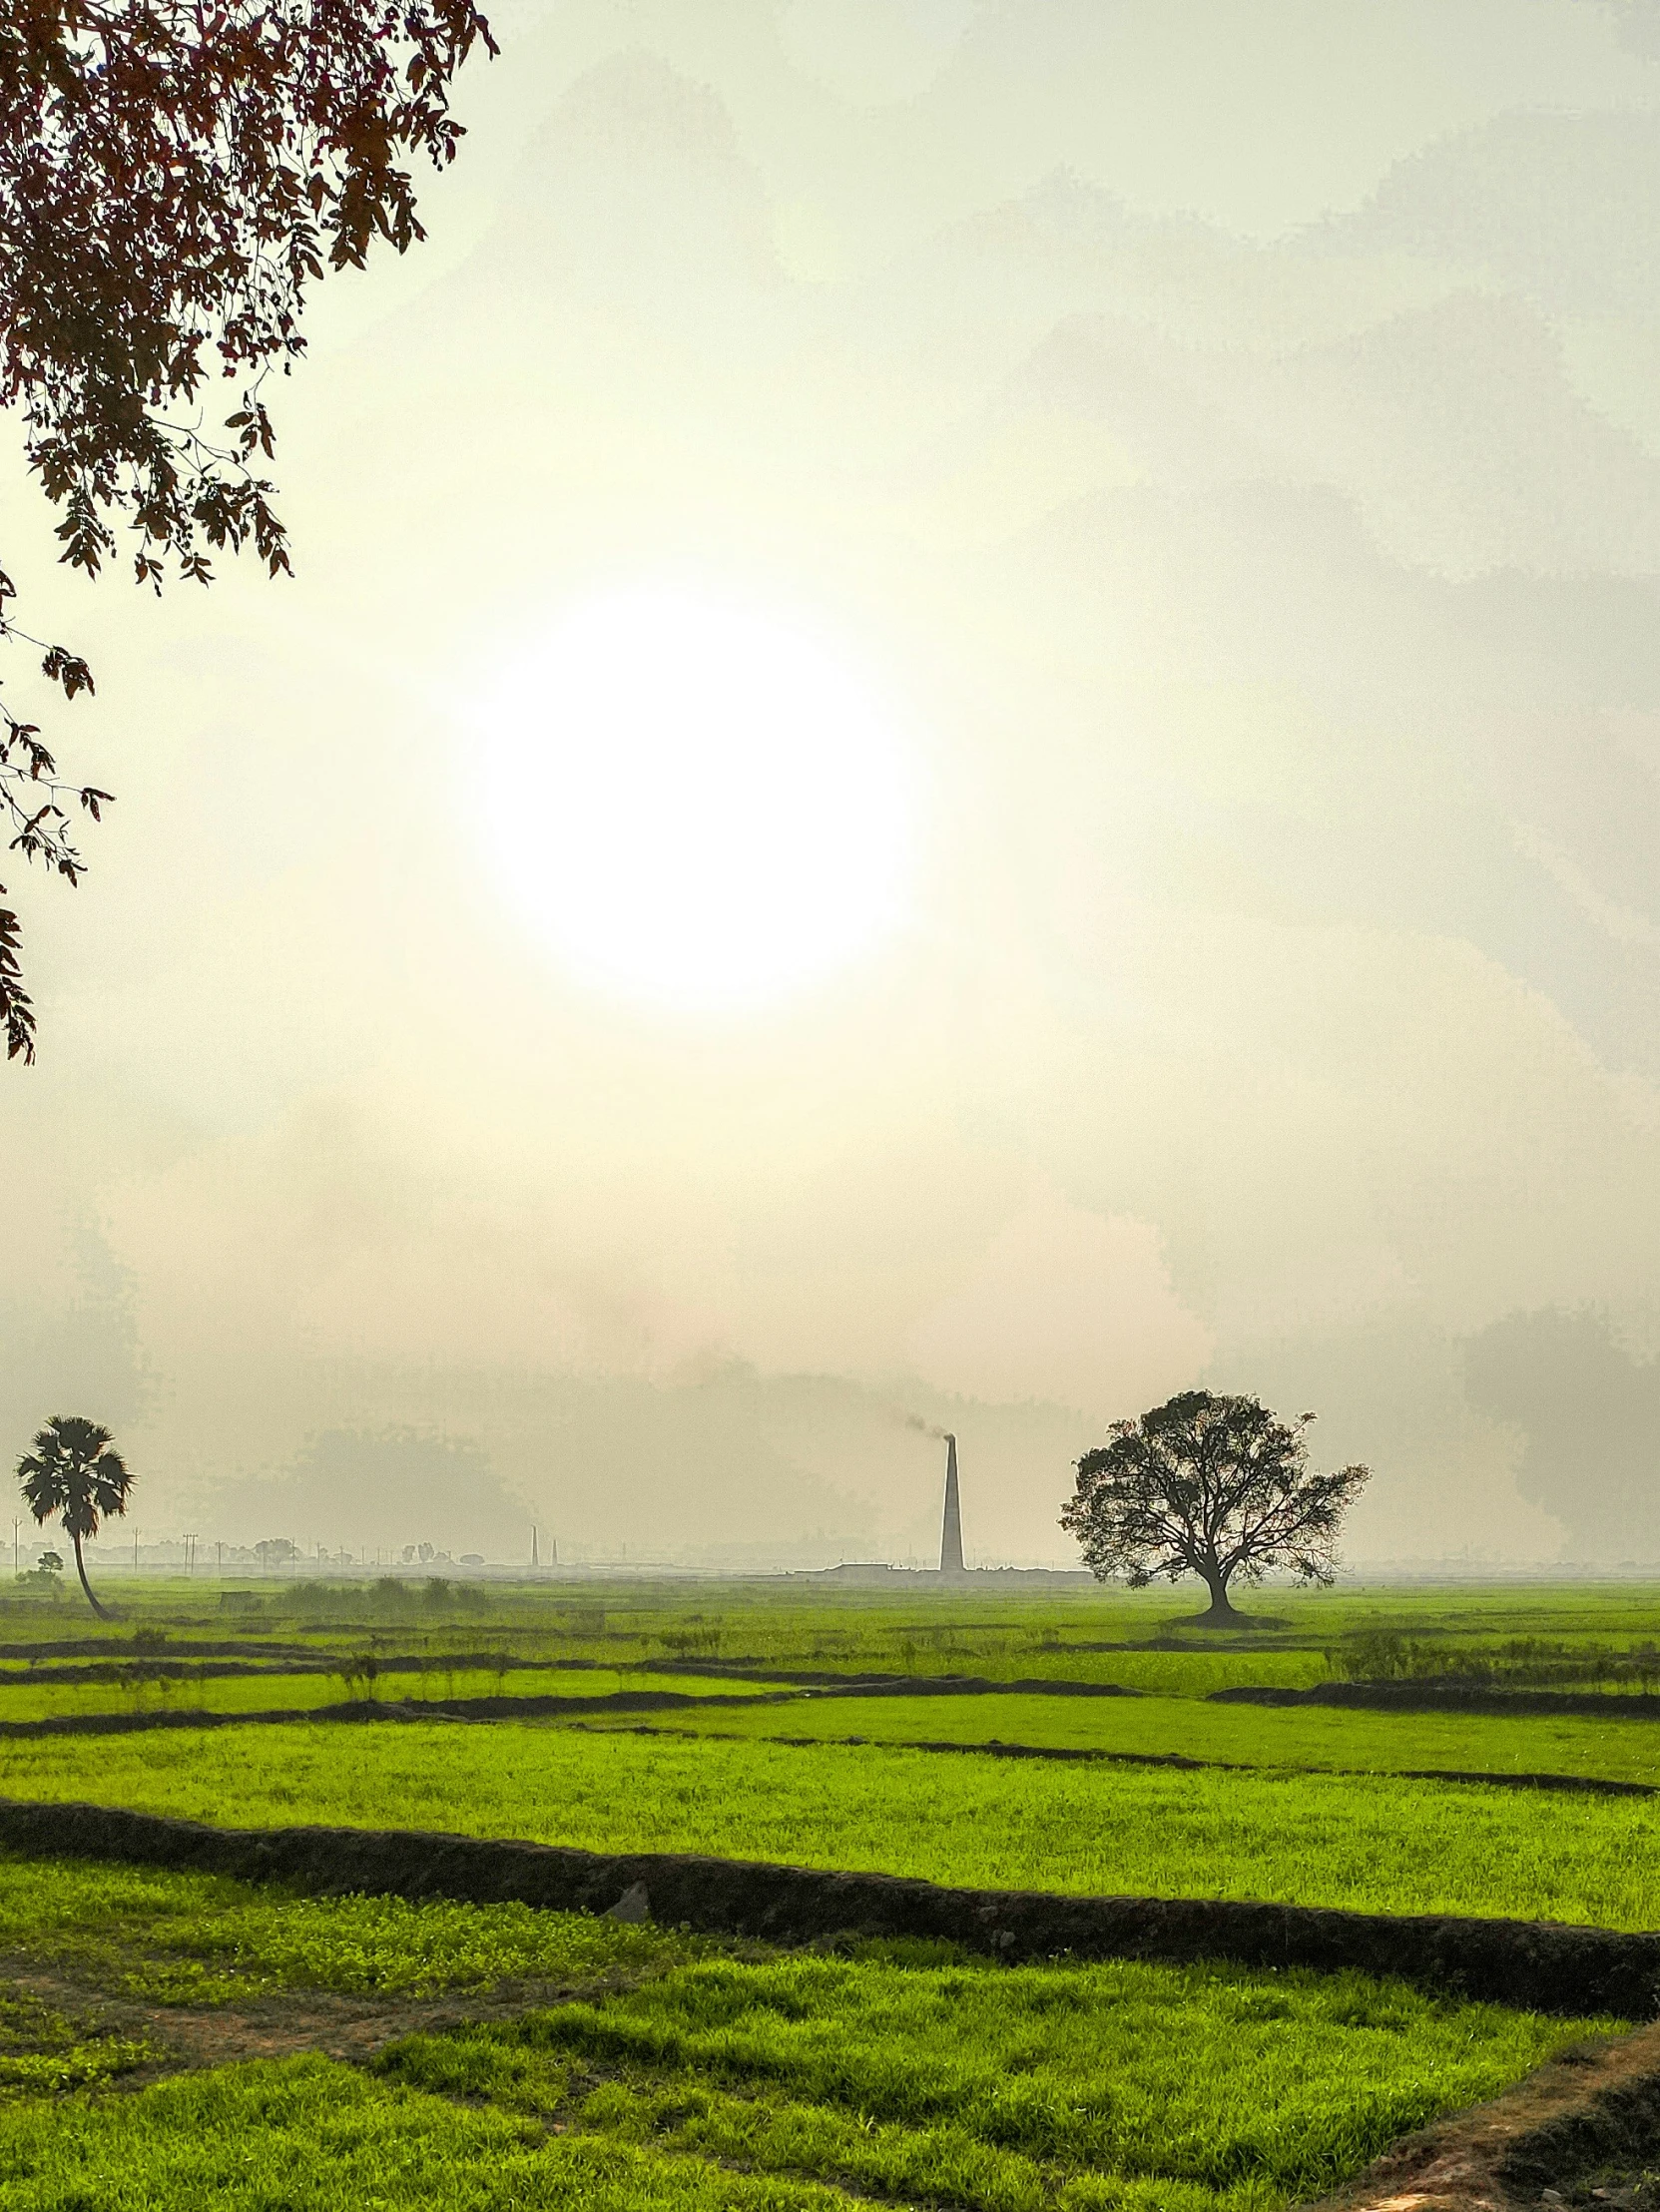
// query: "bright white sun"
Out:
[694,803]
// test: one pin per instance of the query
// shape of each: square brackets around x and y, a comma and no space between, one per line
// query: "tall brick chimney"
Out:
[950,1533]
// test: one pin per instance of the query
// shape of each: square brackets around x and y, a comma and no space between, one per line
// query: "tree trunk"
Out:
[81,1570]
[1220,1614]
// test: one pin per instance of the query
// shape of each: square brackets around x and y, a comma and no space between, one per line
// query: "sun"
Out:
[695,804]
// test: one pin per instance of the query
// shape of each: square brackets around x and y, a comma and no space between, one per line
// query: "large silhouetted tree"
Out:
[75,1471]
[174,176]
[1207,1485]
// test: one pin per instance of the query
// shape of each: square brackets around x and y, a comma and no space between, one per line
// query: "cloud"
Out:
[1241,597]
[1563,208]
[1066,1305]
[1590,1413]
[374,1492]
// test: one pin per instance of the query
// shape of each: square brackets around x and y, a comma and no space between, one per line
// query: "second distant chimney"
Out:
[950,1533]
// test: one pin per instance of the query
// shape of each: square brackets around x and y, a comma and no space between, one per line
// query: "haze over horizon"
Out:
[1194,476]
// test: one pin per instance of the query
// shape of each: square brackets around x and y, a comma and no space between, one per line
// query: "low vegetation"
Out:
[910,2075]
[1517,1663]
[154,1686]
[1314,1738]
[1366,1842]
[193,2041]
[314,2136]
[645,2067]
[174,1938]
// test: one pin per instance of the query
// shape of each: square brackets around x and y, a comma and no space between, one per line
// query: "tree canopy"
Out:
[174,176]
[1209,1485]
[75,1471]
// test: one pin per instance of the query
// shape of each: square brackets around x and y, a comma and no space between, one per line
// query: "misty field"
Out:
[626,2066]
[1592,1636]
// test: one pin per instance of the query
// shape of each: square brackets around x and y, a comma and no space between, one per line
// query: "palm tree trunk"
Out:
[81,1570]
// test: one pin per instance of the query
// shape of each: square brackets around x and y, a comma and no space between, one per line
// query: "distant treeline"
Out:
[401,1597]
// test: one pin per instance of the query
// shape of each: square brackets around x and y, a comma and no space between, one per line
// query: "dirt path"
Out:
[278,2025]
[1581,2131]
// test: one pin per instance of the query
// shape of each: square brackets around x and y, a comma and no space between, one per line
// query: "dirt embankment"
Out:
[146,1667]
[185,1666]
[1541,1966]
[1591,2115]
[126,1649]
[892,1685]
[507,1707]
[1452,1697]
[371,1710]
[993,1747]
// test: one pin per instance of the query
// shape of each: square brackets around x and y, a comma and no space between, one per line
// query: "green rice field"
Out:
[624,2065]
[1311,1737]
[270,1690]
[199,1938]
[1366,1842]
[170,2039]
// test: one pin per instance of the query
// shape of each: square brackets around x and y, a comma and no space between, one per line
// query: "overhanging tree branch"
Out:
[174,177]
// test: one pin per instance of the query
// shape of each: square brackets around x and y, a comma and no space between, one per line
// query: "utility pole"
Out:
[221,1549]
[15,1526]
[189,1554]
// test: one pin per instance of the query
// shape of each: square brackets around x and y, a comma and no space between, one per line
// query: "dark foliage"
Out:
[1207,1485]
[76,1472]
[172,178]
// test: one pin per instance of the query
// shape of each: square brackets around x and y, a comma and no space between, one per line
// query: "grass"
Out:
[1370,1842]
[1583,1632]
[274,1691]
[313,2135]
[1313,1737]
[43,2050]
[190,1938]
[676,2074]
[1009,2090]
[672,2073]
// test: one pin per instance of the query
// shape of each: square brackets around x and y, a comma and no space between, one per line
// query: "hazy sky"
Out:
[971,727]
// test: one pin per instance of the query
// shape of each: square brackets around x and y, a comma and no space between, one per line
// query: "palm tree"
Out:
[75,1470]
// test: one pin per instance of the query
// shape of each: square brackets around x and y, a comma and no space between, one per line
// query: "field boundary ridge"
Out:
[1450,1697]
[179,1663]
[993,1747]
[897,1685]
[1538,1966]
[366,1710]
